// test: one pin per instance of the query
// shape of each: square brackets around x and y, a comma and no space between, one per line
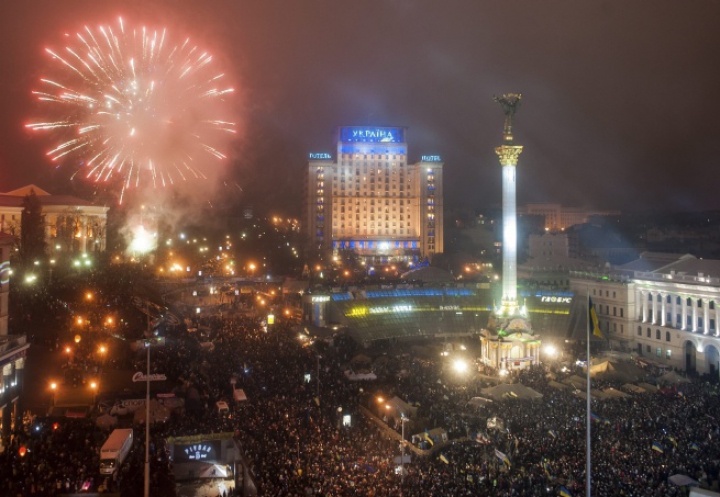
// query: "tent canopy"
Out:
[673,378]
[617,370]
[514,390]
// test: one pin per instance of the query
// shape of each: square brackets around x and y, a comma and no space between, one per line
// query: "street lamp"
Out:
[94,387]
[68,351]
[53,388]
[403,420]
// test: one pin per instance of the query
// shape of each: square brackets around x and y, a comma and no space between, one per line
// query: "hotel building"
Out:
[369,199]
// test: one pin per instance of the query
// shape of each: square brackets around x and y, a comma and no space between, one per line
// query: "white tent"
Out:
[511,390]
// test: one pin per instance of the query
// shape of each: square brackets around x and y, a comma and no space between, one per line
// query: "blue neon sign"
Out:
[371,134]
[320,156]
[430,158]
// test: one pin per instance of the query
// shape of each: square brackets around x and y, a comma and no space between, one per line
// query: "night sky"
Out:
[620,99]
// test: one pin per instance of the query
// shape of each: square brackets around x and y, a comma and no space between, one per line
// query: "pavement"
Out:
[204,488]
[45,366]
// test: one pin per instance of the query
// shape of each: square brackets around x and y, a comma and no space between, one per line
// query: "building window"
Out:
[649,333]
[648,349]
[658,352]
[639,331]
[712,324]
[622,329]
[657,334]
[712,305]
[678,301]
[668,299]
[667,336]
[668,354]
[621,312]
[614,311]
[699,303]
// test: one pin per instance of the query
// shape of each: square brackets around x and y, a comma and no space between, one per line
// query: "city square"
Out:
[359,249]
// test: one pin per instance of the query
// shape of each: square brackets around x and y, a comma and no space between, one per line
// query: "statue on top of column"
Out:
[509,103]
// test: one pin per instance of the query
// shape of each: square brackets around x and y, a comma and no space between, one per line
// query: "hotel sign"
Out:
[320,156]
[360,134]
[430,158]
[320,298]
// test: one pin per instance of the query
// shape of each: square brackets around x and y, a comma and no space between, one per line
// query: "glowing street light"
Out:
[551,351]
[53,388]
[460,366]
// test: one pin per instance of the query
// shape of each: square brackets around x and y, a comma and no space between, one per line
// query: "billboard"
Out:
[371,134]
[200,451]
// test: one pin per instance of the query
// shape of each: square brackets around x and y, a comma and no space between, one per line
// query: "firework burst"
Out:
[134,107]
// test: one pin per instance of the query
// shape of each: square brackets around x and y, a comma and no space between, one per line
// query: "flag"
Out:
[546,468]
[564,492]
[552,433]
[595,417]
[444,459]
[593,322]
[694,446]
[426,436]
[504,458]
[673,441]
[317,401]
[657,447]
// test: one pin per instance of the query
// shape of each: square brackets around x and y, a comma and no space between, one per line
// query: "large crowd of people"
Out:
[295,441]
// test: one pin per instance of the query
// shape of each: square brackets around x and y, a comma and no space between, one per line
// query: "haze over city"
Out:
[619,103]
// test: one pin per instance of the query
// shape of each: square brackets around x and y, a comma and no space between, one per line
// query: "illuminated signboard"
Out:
[395,308]
[362,134]
[320,156]
[202,451]
[556,300]
[320,298]
[430,158]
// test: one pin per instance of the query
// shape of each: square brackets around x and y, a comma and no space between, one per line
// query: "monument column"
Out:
[508,154]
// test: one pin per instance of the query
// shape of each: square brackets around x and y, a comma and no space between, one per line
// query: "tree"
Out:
[32,230]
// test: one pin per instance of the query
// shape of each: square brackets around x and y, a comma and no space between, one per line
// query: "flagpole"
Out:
[588,464]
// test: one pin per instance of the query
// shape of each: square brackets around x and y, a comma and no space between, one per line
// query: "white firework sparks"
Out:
[135,106]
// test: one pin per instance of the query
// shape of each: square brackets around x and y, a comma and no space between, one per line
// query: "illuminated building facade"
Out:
[371,201]
[13,349]
[663,308]
[558,218]
[71,224]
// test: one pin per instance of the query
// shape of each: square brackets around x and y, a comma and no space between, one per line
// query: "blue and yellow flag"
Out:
[444,459]
[503,457]
[694,446]
[546,468]
[552,433]
[595,417]
[594,324]
[673,441]
[564,492]
[657,447]
[426,436]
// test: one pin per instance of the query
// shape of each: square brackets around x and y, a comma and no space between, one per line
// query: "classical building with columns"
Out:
[13,348]
[663,308]
[71,224]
